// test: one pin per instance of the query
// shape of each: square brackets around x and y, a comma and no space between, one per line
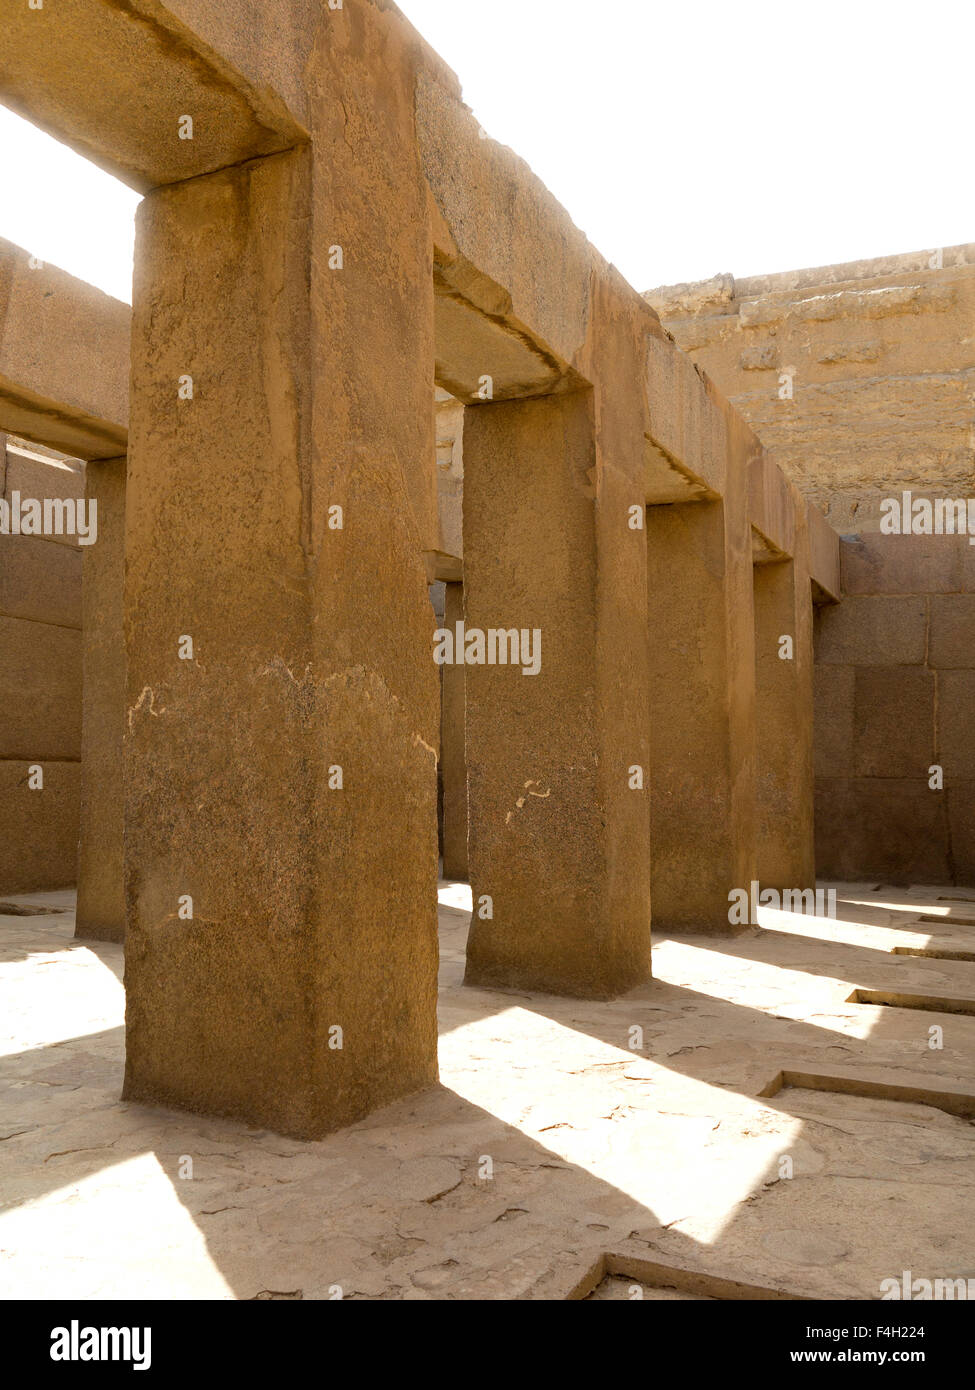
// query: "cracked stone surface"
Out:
[561,1130]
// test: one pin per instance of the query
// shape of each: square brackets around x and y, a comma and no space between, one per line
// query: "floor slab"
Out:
[561,1131]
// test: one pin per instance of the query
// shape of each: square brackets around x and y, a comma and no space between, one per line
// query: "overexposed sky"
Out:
[686,137]
[63,209]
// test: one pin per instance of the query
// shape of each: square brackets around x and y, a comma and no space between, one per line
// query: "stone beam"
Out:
[774,508]
[479,355]
[514,282]
[502,241]
[824,556]
[137,68]
[512,273]
[64,359]
[684,442]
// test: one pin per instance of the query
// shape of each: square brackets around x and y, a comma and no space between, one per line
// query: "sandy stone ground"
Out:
[550,1145]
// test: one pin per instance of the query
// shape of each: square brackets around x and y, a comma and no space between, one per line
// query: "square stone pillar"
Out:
[453,760]
[101,890]
[282,708]
[784,707]
[559,840]
[702,722]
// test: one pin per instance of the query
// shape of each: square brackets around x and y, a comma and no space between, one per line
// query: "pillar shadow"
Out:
[381,1209]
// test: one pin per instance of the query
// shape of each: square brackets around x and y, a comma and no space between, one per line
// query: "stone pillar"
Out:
[702,723]
[282,708]
[453,760]
[101,894]
[784,709]
[558,841]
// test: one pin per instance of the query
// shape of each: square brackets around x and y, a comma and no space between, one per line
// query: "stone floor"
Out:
[555,1140]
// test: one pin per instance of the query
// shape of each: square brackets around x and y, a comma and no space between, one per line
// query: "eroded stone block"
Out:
[952,644]
[40,690]
[876,631]
[833,719]
[38,827]
[40,581]
[894,721]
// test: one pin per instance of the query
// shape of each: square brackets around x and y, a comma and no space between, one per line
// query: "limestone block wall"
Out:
[40,681]
[895,699]
[859,378]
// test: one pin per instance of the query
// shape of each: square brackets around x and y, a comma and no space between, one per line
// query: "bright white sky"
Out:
[686,137]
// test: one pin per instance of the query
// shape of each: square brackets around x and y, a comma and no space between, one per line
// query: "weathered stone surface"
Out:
[39,476]
[153,68]
[39,581]
[961,824]
[38,828]
[281,777]
[894,721]
[882,719]
[553,838]
[450,486]
[64,351]
[309,642]
[40,680]
[772,505]
[873,631]
[686,435]
[101,887]
[824,555]
[833,720]
[898,827]
[877,564]
[533,266]
[453,757]
[882,365]
[956,717]
[785,852]
[40,691]
[702,711]
[952,640]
